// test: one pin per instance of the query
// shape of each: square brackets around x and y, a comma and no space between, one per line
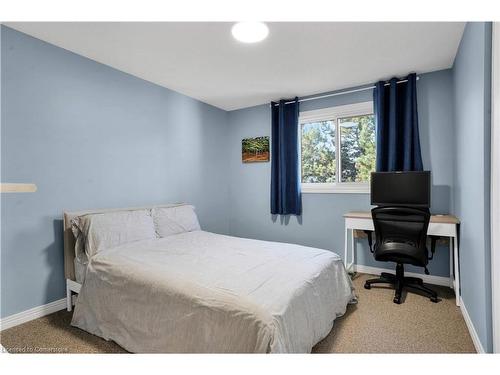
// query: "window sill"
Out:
[345,188]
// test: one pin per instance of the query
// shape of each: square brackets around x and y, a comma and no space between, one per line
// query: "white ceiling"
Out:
[202,60]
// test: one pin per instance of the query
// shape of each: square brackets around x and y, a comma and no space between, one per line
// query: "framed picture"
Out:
[255,150]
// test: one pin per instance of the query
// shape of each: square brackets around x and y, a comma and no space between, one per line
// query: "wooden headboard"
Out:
[69,239]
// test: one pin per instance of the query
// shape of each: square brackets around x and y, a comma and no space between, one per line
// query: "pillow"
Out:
[174,220]
[111,229]
[79,239]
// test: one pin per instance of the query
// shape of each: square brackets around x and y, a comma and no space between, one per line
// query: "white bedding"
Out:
[80,269]
[204,292]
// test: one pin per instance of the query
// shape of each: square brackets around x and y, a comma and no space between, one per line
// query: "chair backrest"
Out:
[401,234]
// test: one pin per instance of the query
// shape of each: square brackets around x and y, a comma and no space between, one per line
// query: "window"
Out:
[337,147]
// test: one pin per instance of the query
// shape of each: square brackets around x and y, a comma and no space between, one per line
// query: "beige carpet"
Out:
[374,325]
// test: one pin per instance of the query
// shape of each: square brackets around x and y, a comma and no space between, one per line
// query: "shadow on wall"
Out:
[54,259]
[440,204]
[440,199]
[285,219]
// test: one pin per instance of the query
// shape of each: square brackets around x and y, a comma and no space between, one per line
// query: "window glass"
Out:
[318,152]
[357,148]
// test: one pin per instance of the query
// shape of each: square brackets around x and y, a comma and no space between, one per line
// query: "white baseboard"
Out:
[472,330]
[31,314]
[429,279]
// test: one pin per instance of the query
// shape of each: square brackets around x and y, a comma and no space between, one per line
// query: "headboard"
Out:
[69,239]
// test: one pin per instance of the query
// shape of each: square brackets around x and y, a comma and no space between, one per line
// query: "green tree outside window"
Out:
[357,150]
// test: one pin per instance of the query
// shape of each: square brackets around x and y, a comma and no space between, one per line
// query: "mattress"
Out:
[201,292]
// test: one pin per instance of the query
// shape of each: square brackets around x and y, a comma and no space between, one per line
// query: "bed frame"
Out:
[72,286]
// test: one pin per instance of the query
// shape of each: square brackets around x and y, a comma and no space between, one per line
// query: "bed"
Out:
[192,291]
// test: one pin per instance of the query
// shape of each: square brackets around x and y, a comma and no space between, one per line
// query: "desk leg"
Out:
[451,263]
[345,247]
[457,271]
[352,250]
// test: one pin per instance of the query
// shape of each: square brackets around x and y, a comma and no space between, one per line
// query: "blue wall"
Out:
[472,106]
[91,136]
[322,223]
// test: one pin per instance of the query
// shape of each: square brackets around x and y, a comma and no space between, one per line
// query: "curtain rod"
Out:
[342,92]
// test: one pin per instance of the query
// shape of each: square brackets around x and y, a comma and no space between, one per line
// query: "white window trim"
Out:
[333,188]
[333,113]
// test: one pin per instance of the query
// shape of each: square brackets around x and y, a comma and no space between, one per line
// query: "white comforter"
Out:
[204,292]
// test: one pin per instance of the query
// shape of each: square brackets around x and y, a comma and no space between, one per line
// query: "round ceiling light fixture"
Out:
[250,32]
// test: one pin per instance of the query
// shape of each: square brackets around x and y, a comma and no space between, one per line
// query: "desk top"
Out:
[445,219]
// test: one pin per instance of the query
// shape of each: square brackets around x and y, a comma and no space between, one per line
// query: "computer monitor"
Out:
[411,189]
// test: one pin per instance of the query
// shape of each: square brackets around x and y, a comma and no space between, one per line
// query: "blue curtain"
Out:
[396,121]
[285,176]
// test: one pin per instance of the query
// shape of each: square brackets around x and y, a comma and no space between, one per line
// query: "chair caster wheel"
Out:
[434,299]
[367,286]
[397,300]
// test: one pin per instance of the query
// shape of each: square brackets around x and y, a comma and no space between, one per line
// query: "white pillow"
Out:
[174,220]
[111,229]
[79,239]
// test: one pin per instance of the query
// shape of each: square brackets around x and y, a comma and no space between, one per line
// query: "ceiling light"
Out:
[250,32]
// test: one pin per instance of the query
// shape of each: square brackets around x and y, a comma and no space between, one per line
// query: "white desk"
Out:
[439,225]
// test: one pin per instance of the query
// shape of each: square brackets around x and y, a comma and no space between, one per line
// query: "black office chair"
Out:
[400,237]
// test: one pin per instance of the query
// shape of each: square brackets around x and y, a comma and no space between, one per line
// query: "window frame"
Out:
[333,114]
